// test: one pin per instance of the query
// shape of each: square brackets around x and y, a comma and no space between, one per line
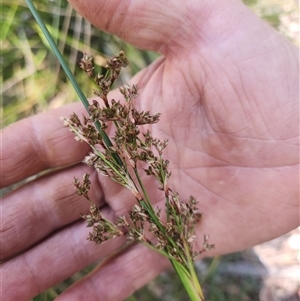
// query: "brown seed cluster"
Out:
[119,160]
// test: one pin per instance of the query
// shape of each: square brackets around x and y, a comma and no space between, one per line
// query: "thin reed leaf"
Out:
[68,72]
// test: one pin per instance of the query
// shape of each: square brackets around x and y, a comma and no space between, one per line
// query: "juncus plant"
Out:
[124,156]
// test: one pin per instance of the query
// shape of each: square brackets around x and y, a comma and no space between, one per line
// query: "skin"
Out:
[227,87]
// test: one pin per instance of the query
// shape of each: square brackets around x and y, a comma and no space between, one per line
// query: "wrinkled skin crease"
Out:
[226,86]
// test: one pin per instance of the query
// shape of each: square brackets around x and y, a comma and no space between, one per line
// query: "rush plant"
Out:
[124,156]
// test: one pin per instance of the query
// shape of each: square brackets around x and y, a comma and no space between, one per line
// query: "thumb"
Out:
[148,24]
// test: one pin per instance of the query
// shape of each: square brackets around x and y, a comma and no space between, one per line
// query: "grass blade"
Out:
[68,72]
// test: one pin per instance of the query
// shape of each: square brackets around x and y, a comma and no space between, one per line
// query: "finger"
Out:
[57,258]
[152,25]
[42,142]
[38,143]
[119,277]
[37,209]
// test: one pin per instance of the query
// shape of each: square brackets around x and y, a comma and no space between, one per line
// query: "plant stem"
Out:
[146,197]
[69,74]
[186,274]
[188,280]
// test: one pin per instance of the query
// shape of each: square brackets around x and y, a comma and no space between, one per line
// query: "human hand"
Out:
[226,86]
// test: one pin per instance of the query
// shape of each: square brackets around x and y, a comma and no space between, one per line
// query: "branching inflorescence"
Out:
[121,158]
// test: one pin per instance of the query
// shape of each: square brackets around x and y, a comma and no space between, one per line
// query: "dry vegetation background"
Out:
[268,272]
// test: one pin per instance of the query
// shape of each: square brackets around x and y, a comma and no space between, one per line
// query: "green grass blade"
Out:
[57,53]
[68,73]
[9,18]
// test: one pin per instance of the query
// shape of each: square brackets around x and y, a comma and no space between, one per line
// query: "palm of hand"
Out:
[225,92]
[226,142]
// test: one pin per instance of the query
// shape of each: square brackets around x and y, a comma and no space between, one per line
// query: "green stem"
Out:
[168,208]
[194,278]
[108,162]
[190,283]
[147,205]
[186,274]
[146,197]
[57,53]
[69,74]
